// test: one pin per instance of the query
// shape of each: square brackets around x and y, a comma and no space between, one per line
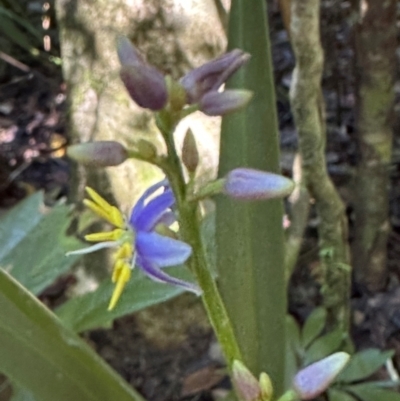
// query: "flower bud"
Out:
[98,154]
[146,149]
[220,103]
[127,53]
[317,377]
[190,154]
[245,383]
[267,390]
[249,184]
[176,94]
[210,76]
[145,84]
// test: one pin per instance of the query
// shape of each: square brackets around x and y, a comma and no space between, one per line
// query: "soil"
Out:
[33,135]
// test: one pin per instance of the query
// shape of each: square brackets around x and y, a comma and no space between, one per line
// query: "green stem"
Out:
[213,303]
[190,231]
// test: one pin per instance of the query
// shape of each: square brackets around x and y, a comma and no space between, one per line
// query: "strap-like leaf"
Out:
[50,361]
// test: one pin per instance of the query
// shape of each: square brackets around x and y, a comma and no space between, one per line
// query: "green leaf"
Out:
[21,394]
[49,360]
[14,34]
[249,235]
[24,22]
[324,346]
[90,310]
[313,326]
[339,395]
[34,243]
[293,333]
[371,392]
[364,364]
[293,349]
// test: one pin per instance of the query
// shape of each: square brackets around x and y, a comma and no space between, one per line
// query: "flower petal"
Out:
[168,218]
[137,209]
[151,214]
[160,250]
[155,273]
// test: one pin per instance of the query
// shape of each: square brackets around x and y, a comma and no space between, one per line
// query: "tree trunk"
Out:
[175,36]
[375,45]
[308,110]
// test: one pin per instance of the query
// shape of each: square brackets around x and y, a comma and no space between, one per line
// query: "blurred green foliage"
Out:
[311,343]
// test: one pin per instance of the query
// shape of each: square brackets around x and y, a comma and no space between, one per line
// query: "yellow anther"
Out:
[124,252]
[117,270]
[114,235]
[123,277]
[113,215]
[116,217]
[96,209]
[98,199]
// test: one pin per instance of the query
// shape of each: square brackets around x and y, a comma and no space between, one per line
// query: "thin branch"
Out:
[14,62]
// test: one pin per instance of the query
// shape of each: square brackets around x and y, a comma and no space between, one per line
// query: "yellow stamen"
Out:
[96,209]
[98,199]
[117,217]
[123,278]
[124,252]
[117,270]
[113,215]
[114,235]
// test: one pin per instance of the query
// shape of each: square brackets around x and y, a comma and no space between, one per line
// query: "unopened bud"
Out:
[245,383]
[190,154]
[211,75]
[317,377]
[127,53]
[145,84]
[146,149]
[249,184]
[267,389]
[220,103]
[98,154]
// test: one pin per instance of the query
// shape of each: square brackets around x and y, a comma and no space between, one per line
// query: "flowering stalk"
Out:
[190,233]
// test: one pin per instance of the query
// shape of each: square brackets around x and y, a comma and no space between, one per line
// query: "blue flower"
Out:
[137,240]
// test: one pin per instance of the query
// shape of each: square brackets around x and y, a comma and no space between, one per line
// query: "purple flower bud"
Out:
[220,103]
[246,384]
[98,154]
[249,184]
[210,76]
[317,377]
[145,84]
[127,53]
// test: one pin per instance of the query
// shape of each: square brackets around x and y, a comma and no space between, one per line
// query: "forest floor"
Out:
[33,133]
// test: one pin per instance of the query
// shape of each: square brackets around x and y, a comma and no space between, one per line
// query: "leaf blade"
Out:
[37,349]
